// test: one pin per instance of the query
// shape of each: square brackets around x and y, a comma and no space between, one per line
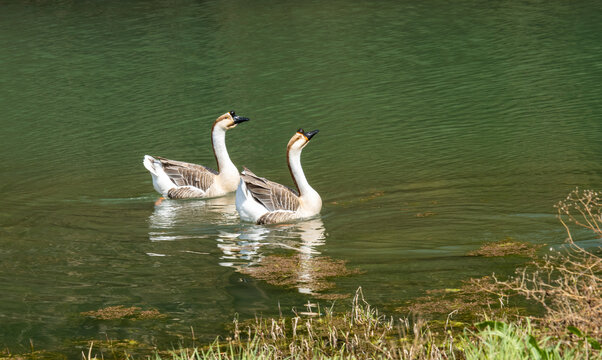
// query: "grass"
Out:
[362,332]
[499,340]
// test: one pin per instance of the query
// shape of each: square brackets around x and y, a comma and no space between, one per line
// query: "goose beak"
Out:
[310,134]
[238,119]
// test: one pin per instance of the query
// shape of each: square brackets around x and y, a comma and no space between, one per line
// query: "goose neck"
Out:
[218,140]
[294,165]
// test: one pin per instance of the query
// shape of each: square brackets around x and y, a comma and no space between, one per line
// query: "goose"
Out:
[262,201]
[181,180]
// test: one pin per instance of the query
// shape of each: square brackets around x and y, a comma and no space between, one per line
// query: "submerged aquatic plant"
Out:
[313,274]
[468,303]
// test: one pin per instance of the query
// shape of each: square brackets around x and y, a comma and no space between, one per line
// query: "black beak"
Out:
[310,134]
[239,119]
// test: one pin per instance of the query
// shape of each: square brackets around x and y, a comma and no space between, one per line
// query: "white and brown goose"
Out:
[181,180]
[266,202]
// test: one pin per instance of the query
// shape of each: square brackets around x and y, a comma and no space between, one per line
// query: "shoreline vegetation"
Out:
[486,318]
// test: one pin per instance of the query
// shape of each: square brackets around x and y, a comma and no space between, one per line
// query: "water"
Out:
[483,114]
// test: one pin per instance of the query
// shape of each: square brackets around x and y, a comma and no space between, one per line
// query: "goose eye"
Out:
[232,113]
[301,131]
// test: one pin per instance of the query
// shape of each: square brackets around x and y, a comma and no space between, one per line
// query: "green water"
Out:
[483,114]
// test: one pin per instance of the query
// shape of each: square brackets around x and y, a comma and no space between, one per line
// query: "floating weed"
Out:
[112,312]
[426,214]
[504,247]
[372,196]
[122,312]
[150,314]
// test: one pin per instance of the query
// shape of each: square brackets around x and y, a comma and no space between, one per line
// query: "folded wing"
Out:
[188,174]
[273,196]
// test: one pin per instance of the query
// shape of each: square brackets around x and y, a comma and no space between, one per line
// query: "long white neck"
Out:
[294,165]
[218,138]
[310,202]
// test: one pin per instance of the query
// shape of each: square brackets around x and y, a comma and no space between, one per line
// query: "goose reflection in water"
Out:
[254,243]
[172,219]
[242,245]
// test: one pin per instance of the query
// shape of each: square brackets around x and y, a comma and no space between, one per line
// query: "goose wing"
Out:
[274,196]
[188,174]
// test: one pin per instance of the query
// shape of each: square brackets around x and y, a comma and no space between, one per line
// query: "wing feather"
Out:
[270,194]
[185,192]
[275,217]
[188,174]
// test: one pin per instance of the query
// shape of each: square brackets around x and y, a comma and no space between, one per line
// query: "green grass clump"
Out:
[508,341]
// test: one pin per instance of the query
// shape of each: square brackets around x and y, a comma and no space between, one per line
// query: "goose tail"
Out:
[161,181]
[149,164]
[248,209]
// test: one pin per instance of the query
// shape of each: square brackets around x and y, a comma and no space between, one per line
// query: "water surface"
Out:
[480,115]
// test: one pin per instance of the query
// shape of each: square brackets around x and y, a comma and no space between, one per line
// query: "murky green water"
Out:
[480,115]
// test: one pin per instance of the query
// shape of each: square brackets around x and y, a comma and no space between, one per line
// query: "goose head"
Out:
[229,121]
[300,139]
